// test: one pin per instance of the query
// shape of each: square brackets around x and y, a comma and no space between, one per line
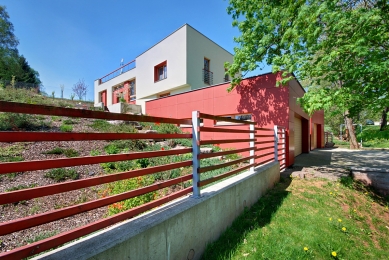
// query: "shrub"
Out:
[69,122]
[95,152]
[104,126]
[61,174]
[66,128]
[41,236]
[13,121]
[127,185]
[71,153]
[56,150]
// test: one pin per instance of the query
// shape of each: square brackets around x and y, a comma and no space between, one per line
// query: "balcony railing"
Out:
[118,72]
[207,77]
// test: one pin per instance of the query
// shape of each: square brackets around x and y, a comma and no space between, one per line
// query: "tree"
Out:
[80,89]
[340,47]
[11,63]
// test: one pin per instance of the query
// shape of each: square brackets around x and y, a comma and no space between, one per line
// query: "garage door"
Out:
[297,136]
[314,136]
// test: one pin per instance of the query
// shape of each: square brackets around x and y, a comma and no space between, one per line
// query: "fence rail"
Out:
[256,151]
[126,67]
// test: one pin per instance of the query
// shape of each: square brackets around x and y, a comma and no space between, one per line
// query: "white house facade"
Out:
[185,60]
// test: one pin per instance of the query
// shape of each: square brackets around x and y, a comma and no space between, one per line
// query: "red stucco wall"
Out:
[259,96]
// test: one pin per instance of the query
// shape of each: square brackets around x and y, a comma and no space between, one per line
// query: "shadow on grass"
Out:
[259,215]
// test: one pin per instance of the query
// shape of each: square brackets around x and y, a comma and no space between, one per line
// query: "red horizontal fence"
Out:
[54,215]
[257,146]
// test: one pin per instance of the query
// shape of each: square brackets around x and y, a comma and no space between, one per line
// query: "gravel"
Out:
[34,151]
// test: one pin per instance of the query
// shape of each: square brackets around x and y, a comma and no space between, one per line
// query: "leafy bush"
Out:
[118,146]
[71,153]
[61,174]
[183,142]
[14,121]
[12,153]
[42,235]
[104,126]
[95,152]
[69,122]
[66,128]
[56,150]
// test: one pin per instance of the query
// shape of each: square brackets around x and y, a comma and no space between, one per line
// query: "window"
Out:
[160,71]
[226,77]
[132,90]
[207,74]
[243,117]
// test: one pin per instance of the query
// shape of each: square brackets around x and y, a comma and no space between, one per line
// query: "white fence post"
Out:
[252,152]
[275,143]
[195,153]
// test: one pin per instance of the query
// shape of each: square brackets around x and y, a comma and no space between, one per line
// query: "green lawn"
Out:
[309,219]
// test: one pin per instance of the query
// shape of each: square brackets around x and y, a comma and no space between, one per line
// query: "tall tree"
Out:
[344,44]
[11,63]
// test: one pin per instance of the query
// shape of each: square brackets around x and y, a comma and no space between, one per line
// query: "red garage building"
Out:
[256,98]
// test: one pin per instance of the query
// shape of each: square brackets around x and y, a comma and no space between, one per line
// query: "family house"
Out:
[183,61]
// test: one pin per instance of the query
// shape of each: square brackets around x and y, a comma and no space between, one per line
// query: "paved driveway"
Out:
[341,157]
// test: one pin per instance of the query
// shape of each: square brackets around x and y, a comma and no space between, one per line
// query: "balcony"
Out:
[207,77]
[129,66]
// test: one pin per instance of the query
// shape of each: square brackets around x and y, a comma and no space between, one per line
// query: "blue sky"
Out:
[68,40]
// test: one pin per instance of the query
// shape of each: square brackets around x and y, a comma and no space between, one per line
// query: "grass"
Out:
[307,219]
[371,137]
[21,187]
[61,174]
[41,236]
[67,152]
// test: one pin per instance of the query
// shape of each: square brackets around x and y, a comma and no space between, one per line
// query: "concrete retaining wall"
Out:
[178,230]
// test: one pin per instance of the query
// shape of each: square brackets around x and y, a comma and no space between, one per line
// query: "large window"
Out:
[207,74]
[160,71]
[132,90]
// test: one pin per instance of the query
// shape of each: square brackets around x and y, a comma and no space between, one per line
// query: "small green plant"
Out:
[41,236]
[71,153]
[95,152]
[56,150]
[69,122]
[66,128]
[61,174]
[72,96]
[21,187]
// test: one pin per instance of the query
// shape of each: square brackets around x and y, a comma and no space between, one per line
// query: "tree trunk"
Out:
[384,118]
[349,126]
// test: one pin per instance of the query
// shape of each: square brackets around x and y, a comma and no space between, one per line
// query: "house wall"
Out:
[198,48]
[258,96]
[98,88]
[172,49]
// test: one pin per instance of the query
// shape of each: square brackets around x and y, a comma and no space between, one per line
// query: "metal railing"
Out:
[207,77]
[129,66]
[261,144]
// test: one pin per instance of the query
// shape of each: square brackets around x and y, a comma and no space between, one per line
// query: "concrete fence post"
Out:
[195,153]
[252,145]
[275,143]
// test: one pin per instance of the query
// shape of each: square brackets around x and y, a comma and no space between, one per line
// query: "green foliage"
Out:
[56,150]
[66,128]
[162,128]
[128,185]
[323,218]
[95,152]
[61,174]
[118,146]
[337,46]
[21,187]
[13,121]
[71,153]
[42,235]
[67,152]
[12,153]
[69,122]
[104,126]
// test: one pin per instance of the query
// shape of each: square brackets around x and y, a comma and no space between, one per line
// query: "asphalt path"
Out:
[340,157]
